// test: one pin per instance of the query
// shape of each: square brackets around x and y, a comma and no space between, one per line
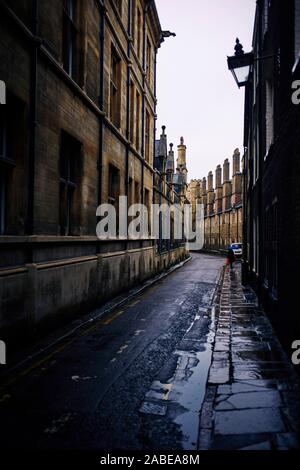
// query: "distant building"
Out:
[222,203]
[169,187]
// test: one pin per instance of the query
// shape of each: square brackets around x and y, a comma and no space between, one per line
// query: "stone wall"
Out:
[47,275]
[41,295]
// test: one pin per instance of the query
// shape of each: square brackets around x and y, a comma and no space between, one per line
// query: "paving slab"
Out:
[256,400]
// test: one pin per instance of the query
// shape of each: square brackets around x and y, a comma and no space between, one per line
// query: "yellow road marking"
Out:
[132,304]
[57,351]
[111,319]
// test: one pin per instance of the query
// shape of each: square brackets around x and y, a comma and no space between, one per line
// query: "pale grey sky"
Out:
[197,95]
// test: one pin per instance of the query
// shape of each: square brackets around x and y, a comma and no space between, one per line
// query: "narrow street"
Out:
[149,231]
[134,380]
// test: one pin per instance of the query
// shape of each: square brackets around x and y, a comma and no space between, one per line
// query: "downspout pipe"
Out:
[101,105]
[155,106]
[128,110]
[33,121]
[101,98]
[143,99]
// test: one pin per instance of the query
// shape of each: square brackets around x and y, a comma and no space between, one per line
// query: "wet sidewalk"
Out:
[252,400]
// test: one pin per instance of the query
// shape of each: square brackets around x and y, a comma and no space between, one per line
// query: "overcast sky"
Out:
[197,95]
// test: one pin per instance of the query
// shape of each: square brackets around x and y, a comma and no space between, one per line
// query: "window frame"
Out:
[115,87]
[7,163]
[139,39]
[70,34]
[113,184]
[138,100]
[149,60]
[68,181]
[147,135]
[132,109]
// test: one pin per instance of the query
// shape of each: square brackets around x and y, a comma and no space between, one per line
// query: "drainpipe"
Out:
[160,214]
[101,98]
[33,121]
[155,102]
[128,96]
[143,100]
[128,110]
[245,210]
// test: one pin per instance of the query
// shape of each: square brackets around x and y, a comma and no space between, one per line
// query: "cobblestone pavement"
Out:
[252,399]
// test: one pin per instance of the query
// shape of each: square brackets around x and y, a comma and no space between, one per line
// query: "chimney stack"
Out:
[218,176]
[236,161]
[210,181]
[226,168]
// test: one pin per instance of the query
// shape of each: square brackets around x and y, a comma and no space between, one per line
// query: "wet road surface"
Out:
[134,380]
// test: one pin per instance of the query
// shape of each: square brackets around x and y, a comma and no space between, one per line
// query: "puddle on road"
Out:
[187,395]
[181,398]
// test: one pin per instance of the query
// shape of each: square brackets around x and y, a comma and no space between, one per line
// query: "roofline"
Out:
[153,9]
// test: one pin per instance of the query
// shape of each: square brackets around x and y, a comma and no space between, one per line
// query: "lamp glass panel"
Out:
[242,74]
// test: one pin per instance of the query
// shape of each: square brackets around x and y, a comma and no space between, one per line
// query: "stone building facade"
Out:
[222,201]
[272,165]
[78,130]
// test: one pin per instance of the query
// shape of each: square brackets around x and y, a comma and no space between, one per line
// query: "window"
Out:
[70,156]
[172,232]
[132,92]
[6,127]
[138,120]
[69,37]
[114,191]
[271,248]
[149,59]
[255,261]
[137,193]
[130,192]
[147,138]
[115,88]
[269,114]
[148,206]
[6,163]
[113,185]
[139,34]
[2,202]
[133,17]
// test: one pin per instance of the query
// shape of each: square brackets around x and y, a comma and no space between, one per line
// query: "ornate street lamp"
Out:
[240,64]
